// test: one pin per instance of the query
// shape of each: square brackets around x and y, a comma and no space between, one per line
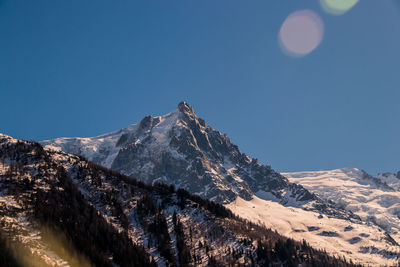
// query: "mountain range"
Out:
[347,213]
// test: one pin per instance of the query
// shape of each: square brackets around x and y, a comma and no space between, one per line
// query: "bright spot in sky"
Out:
[301,33]
[337,7]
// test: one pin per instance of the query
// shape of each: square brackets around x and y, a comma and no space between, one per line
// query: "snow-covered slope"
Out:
[362,243]
[355,190]
[375,200]
[391,179]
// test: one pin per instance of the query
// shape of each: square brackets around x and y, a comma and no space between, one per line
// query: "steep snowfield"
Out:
[362,243]
[357,191]
[101,149]
[390,179]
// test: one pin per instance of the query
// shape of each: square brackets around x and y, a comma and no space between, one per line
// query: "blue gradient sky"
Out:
[82,68]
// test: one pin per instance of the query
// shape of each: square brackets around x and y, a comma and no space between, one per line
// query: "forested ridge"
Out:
[103,218]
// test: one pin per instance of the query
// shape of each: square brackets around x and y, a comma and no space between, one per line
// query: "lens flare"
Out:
[337,7]
[301,33]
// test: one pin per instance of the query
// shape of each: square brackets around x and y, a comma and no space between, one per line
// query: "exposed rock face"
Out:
[181,149]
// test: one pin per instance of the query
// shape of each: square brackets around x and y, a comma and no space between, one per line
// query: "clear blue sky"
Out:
[83,68]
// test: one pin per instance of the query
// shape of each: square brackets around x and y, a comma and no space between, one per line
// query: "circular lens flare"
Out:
[301,33]
[337,7]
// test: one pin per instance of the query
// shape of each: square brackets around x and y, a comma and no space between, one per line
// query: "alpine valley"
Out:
[173,191]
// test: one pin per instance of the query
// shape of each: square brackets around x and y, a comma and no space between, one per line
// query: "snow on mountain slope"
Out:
[391,179]
[370,198]
[100,149]
[362,243]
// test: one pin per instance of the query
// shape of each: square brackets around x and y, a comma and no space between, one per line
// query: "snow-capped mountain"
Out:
[58,209]
[181,149]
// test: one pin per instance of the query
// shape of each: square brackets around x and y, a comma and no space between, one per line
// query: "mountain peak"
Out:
[185,108]
[181,149]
